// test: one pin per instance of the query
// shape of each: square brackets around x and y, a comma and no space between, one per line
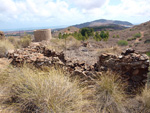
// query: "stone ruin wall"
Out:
[131,65]
[43,34]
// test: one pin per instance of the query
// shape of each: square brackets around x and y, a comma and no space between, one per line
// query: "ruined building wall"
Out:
[43,34]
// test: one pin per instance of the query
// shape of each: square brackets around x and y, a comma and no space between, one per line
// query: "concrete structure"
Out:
[43,34]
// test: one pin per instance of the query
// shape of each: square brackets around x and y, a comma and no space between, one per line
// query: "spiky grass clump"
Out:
[110,93]
[143,100]
[30,90]
[146,97]
[112,50]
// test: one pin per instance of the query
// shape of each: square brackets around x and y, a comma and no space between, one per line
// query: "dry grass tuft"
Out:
[72,42]
[110,95]
[112,50]
[62,44]
[144,100]
[145,96]
[30,90]
[5,46]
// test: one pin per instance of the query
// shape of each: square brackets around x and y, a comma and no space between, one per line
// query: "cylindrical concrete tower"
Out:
[43,34]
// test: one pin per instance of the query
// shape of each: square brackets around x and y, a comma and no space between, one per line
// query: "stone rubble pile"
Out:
[133,66]
[37,55]
[41,56]
[130,64]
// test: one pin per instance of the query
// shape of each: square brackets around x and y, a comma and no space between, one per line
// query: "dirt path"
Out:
[138,39]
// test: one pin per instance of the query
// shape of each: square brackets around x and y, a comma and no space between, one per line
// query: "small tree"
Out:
[60,36]
[97,37]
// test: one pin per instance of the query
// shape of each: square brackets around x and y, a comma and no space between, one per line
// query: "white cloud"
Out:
[89,4]
[65,12]
[132,10]
[36,9]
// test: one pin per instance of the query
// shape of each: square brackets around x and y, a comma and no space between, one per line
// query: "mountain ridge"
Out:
[101,22]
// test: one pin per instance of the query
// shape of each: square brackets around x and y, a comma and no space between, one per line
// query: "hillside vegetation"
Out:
[75,72]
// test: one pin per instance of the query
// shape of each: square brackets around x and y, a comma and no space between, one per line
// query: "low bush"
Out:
[12,39]
[140,39]
[114,36]
[122,43]
[137,35]
[130,39]
[117,36]
[24,41]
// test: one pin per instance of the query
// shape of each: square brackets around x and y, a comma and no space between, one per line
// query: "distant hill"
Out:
[103,22]
[108,27]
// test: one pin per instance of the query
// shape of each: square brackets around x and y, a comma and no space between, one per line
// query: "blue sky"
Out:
[18,14]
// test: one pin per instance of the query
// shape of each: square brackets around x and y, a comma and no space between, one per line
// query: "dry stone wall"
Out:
[131,65]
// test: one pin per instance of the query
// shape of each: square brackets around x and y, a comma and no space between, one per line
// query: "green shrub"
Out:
[118,36]
[122,43]
[113,36]
[137,35]
[130,39]
[148,53]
